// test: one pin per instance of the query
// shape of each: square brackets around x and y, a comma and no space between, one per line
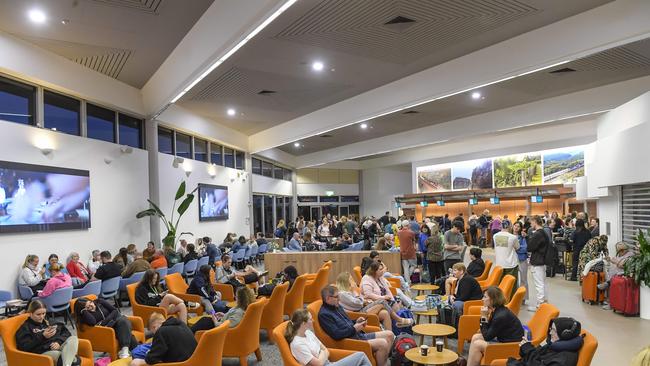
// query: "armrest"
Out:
[393,291]
[337,354]
[395,282]
[473,310]
[137,323]
[468,303]
[371,329]
[31,359]
[373,320]
[192,298]
[85,349]
[311,276]
[356,345]
[227,293]
[500,350]
[103,338]
[468,325]
[499,362]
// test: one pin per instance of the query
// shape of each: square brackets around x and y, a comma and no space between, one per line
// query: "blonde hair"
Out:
[460,267]
[280,223]
[154,317]
[245,297]
[642,358]
[343,281]
[298,317]
[29,258]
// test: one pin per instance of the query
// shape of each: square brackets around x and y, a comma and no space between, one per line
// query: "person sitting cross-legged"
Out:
[336,323]
[172,341]
[148,292]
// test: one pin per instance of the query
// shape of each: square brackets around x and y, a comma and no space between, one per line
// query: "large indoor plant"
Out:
[638,267]
[172,227]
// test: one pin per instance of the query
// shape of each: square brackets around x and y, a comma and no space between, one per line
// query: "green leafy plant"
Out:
[170,225]
[638,267]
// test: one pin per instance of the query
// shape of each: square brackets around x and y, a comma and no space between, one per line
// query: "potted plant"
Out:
[638,267]
[169,240]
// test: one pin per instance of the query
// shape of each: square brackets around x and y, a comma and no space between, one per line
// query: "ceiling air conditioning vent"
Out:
[400,20]
[410,112]
[325,135]
[562,70]
[266,92]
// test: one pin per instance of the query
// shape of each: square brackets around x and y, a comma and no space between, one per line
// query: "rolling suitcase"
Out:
[624,295]
[590,292]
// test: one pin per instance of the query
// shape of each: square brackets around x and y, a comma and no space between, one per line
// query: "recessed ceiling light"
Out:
[231,112]
[364,125]
[317,66]
[37,16]
[296,144]
[65,21]
[476,95]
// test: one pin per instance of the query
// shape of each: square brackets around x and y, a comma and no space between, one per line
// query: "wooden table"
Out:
[423,287]
[434,330]
[433,357]
[430,313]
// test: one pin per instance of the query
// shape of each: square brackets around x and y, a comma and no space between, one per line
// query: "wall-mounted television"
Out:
[536,199]
[473,201]
[213,202]
[43,198]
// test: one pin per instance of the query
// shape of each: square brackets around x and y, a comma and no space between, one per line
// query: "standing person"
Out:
[407,249]
[505,254]
[280,230]
[506,224]
[495,226]
[415,226]
[434,253]
[522,256]
[384,220]
[454,243]
[446,223]
[537,245]
[473,228]
[484,222]
[594,227]
[580,237]
[424,234]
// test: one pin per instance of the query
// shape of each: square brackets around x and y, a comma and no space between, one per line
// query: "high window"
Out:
[100,123]
[17,102]
[61,113]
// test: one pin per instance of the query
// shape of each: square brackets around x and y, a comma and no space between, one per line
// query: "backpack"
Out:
[278,233]
[402,344]
[473,223]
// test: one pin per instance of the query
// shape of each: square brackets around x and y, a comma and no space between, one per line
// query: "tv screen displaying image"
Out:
[43,198]
[213,202]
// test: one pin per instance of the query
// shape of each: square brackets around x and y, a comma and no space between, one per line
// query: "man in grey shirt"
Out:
[454,244]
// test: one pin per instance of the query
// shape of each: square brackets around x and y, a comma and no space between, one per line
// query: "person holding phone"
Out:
[31,275]
[245,297]
[150,293]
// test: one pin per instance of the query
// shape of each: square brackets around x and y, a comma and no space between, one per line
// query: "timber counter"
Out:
[310,262]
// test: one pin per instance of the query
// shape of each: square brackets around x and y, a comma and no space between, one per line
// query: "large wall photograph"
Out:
[434,180]
[564,166]
[520,170]
[473,174]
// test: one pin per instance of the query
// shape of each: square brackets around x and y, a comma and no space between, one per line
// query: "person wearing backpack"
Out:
[537,247]
[434,249]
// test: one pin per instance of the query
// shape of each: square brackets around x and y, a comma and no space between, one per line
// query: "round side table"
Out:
[423,287]
[434,330]
[433,358]
[430,313]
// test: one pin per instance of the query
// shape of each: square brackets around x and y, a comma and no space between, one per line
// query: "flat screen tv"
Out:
[213,202]
[43,198]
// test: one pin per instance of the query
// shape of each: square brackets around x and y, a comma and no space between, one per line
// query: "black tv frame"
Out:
[218,218]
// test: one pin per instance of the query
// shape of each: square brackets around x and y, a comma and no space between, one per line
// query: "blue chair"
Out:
[25,292]
[203,261]
[238,257]
[190,268]
[4,297]
[176,268]
[111,290]
[91,288]
[134,278]
[254,251]
[59,301]
[261,250]
[247,254]
[162,272]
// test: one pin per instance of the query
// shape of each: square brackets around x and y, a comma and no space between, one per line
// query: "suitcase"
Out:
[624,295]
[590,291]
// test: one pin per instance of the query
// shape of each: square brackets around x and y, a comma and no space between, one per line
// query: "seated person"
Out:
[77,270]
[310,244]
[108,269]
[149,251]
[158,260]
[53,259]
[260,239]
[289,274]
[617,265]
[336,324]
[474,269]
[149,293]
[467,288]
[201,286]
[122,257]
[172,341]
[381,244]
[307,349]
[401,292]
[239,244]
[191,254]
[375,287]
[245,297]
[225,273]
[294,244]
[343,243]
[172,257]
[561,348]
[592,250]
[350,299]
[498,324]
[94,262]
[57,281]
[30,275]
[139,264]
[36,335]
[101,312]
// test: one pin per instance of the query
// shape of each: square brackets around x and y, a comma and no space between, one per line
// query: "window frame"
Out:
[65,98]
[101,109]
[30,93]
[140,127]
[172,137]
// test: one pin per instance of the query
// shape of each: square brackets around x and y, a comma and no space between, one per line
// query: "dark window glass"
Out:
[288,203]
[287,174]
[200,150]
[354,210]
[269,226]
[165,141]
[183,145]
[267,169]
[131,131]
[257,214]
[239,160]
[343,210]
[100,123]
[307,199]
[329,198]
[330,209]
[349,198]
[215,154]
[17,102]
[228,158]
[257,166]
[279,209]
[61,113]
[305,212]
[277,172]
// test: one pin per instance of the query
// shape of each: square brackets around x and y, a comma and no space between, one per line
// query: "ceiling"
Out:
[606,67]
[124,39]
[364,44]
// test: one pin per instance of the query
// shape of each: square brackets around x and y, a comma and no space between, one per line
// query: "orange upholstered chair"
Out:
[244,339]
[346,344]
[517,299]
[506,286]
[273,311]
[312,276]
[285,350]
[103,338]
[356,274]
[8,329]
[142,311]
[294,301]
[226,290]
[312,290]
[178,287]
[394,282]
[493,279]
[209,350]
[486,271]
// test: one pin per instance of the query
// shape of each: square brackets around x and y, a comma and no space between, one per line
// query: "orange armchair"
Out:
[103,338]
[15,357]
[346,344]
[486,271]
[506,286]
[142,311]
[272,314]
[585,355]
[294,301]
[244,339]
[226,290]
[312,276]
[285,350]
[493,279]
[209,350]
[515,303]
[178,287]
[356,274]
[312,290]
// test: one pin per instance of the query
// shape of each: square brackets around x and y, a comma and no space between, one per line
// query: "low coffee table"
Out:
[433,358]
[430,313]
[434,330]
[423,287]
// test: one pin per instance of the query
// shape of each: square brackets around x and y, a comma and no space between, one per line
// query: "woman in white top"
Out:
[94,262]
[324,228]
[307,349]
[350,299]
[31,275]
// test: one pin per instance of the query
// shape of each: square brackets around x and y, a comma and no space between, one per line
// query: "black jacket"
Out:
[476,267]
[105,314]
[202,287]
[336,323]
[537,244]
[504,326]
[29,337]
[468,288]
[173,342]
[580,239]
[543,356]
[190,256]
[145,295]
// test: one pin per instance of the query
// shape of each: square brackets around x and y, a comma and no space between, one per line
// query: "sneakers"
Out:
[607,307]
[532,308]
[193,305]
[124,353]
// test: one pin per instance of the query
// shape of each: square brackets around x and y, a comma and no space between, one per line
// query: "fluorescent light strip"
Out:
[239,45]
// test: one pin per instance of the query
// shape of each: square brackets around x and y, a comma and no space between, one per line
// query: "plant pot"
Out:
[644,304]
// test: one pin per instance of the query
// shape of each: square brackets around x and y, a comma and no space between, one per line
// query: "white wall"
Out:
[117,192]
[238,197]
[380,185]
[262,184]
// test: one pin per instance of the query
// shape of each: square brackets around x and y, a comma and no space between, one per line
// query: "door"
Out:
[343,210]
[315,213]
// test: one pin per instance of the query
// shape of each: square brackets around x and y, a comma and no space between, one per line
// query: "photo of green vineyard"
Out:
[518,171]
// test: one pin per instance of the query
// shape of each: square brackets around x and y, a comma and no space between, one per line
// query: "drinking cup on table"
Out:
[439,345]
[424,350]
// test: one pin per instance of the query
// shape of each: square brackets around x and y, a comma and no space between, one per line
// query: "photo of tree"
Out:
[563,166]
[473,174]
[431,179]
[518,170]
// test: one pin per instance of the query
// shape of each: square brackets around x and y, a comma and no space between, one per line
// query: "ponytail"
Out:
[298,317]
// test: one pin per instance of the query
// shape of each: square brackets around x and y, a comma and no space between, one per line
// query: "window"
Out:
[100,123]
[257,166]
[17,102]
[287,174]
[288,203]
[239,160]
[258,226]
[279,209]
[277,172]
[183,145]
[349,198]
[228,158]
[62,113]
[329,198]
[307,199]
[267,169]
[215,154]
[269,225]
[635,211]
[165,141]
[305,212]
[130,131]
[200,150]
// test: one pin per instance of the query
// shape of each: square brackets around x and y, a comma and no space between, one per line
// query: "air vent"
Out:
[400,20]
[410,112]
[266,92]
[562,71]
[325,136]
